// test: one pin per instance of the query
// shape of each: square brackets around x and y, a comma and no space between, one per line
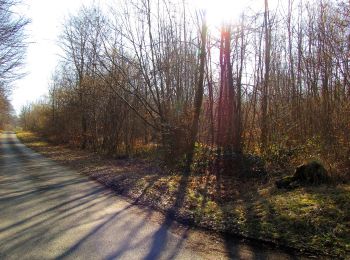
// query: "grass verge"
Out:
[313,219]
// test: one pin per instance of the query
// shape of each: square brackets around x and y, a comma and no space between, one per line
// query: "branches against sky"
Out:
[12,41]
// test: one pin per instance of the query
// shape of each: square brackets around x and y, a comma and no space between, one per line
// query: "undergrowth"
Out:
[314,219]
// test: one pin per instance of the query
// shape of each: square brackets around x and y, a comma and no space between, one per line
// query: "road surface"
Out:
[48,211]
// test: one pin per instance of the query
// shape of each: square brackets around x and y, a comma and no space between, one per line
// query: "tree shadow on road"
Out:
[160,238]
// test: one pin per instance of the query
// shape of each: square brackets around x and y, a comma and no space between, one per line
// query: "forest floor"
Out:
[314,220]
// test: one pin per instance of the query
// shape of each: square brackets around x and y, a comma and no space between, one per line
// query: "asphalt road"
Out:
[48,211]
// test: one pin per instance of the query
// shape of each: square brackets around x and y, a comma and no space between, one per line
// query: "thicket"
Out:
[150,76]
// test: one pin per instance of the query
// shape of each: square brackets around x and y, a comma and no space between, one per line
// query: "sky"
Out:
[47,18]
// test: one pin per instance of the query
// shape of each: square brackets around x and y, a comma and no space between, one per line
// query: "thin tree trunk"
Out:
[198,96]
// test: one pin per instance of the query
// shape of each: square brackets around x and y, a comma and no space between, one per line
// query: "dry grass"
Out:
[315,219]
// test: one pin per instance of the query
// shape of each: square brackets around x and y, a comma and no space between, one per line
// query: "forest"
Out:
[12,51]
[230,112]
[151,76]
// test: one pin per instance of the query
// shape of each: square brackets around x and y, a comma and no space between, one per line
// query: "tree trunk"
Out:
[198,96]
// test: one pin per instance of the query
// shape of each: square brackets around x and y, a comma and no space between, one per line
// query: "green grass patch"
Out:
[314,219]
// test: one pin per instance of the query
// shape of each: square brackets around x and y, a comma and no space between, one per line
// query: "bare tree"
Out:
[266,81]
[149,74]
[12,41]
[199,93]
